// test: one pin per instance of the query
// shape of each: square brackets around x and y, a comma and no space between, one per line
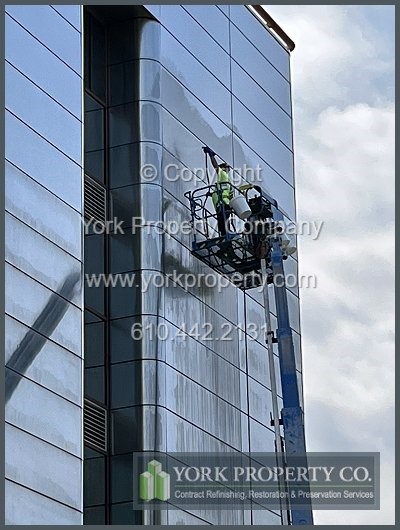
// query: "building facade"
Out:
[152,85]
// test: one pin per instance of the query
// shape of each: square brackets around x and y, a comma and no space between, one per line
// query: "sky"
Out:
[343,105]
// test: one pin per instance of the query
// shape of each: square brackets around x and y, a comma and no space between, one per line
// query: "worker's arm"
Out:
[211,154]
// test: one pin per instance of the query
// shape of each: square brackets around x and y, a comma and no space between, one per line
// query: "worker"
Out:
[223,194]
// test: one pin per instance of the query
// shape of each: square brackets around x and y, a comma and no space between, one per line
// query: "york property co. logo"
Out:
[154,483]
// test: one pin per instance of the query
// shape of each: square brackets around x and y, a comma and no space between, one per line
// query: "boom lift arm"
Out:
[260,254]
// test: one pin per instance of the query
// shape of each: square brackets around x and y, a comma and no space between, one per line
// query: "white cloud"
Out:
[336,53]
[344,141]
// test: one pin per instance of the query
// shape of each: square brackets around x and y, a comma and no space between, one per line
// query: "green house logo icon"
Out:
[154,483]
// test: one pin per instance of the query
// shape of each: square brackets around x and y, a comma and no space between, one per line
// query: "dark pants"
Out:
[223,215]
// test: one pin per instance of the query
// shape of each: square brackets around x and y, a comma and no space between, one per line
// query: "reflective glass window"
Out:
[94,344]
[94,483]
[94,515]
[122,513]
[122,478]
[125,252]
[95,383]
[137,38]
[94,138]
[123,344]
[94,264]
[138,428]
[95,56]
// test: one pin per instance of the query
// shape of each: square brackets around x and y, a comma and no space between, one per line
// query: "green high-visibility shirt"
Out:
[223,183]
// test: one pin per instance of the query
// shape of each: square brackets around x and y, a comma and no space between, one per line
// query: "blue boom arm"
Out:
[292,414]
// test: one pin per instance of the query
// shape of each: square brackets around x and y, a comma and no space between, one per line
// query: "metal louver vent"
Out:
[95,426]
[95,201]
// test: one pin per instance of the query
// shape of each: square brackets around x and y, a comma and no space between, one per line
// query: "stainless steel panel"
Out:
[196,361]
[262,141]
[187,399]
[44,414]
[185,146]
[294,311]
[190,314]
[47,312]
[127,160]
[133,383]
[261,438]
[53,367]
[135,80]
[260,69]
[265,517]
[50,29]
[195,39]
[51,471]
[181,518]
[212,21]
[211,90]
[260,36]
[38,257]
[37,509]
[261,105]
[43,162]
[134,39]
[41,66]
[34,107]
[185,436]
[132,122]
[271,182]
[260,402]
[72,13]
[140,428]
